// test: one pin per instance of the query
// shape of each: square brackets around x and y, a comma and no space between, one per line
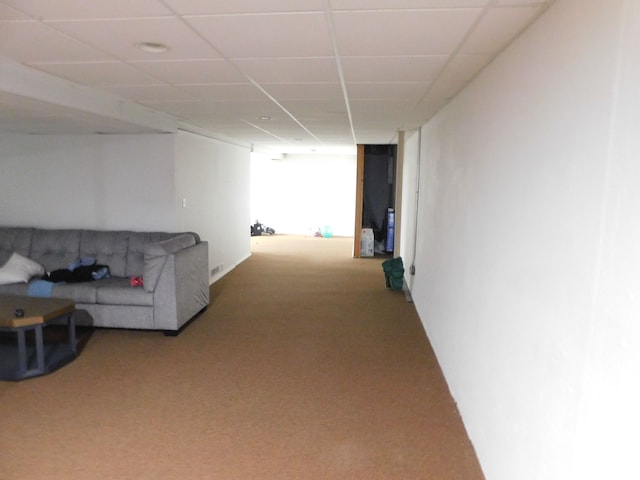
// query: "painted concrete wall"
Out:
[410,196]
[609,413]
[527,255]
[212,197]
[88,181]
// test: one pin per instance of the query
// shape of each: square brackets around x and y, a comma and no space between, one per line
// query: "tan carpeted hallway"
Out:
[304,367]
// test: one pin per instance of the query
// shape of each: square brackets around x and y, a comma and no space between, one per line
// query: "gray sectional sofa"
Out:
[173,267]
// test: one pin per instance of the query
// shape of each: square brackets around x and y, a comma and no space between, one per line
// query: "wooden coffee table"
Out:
[26,317]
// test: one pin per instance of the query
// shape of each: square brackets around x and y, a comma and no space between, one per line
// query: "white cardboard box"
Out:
[366,242]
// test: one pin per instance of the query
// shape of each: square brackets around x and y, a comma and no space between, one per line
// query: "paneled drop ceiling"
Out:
[289,75]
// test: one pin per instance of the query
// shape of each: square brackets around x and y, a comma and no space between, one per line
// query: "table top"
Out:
[36,310]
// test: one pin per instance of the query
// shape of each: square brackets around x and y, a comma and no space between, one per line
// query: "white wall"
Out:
[410,195]
[299,194]
[212,178]
[88,181]
[527,264]
[609,411]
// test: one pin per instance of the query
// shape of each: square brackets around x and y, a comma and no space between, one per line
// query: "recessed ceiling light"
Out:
[264,117]
[152,47]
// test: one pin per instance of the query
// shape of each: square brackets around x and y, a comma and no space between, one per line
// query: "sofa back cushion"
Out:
[55,249]
[14,239]
[138,242]
[108,248]
[122,251]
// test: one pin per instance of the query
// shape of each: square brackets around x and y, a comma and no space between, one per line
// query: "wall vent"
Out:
[216,269]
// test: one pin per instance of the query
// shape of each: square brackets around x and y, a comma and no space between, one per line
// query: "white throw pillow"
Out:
[19,269]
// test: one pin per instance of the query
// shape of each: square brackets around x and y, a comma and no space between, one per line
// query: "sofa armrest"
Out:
[156,254]
[182,289]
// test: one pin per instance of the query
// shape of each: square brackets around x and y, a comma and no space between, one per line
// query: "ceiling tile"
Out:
[427,32]
[7,13]
[367,109]
[296,70]
[271,36]
[467,65]
[74,9]
[502,3]
[218,109]
[119,37]
[31,42]
[324,123]
[304,91]
[224,91]
[284,128]
[208,7]
[394,57]
[386,91]
[461,70]
[447,87]
[498,28]
[405,4]
[192,71]
[147,93]
[392,69]
[97,73]
[316,108]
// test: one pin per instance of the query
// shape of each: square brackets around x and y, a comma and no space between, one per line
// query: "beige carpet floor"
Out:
[303,367]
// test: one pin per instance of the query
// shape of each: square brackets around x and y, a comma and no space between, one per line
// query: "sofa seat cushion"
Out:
[118,291]
[84,292]
[15,289]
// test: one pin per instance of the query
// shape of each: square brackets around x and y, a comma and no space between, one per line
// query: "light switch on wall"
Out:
[184,202]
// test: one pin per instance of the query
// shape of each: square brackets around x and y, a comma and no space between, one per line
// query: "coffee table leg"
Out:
[72,333]
[23,370]
[39,349]
[22,351]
